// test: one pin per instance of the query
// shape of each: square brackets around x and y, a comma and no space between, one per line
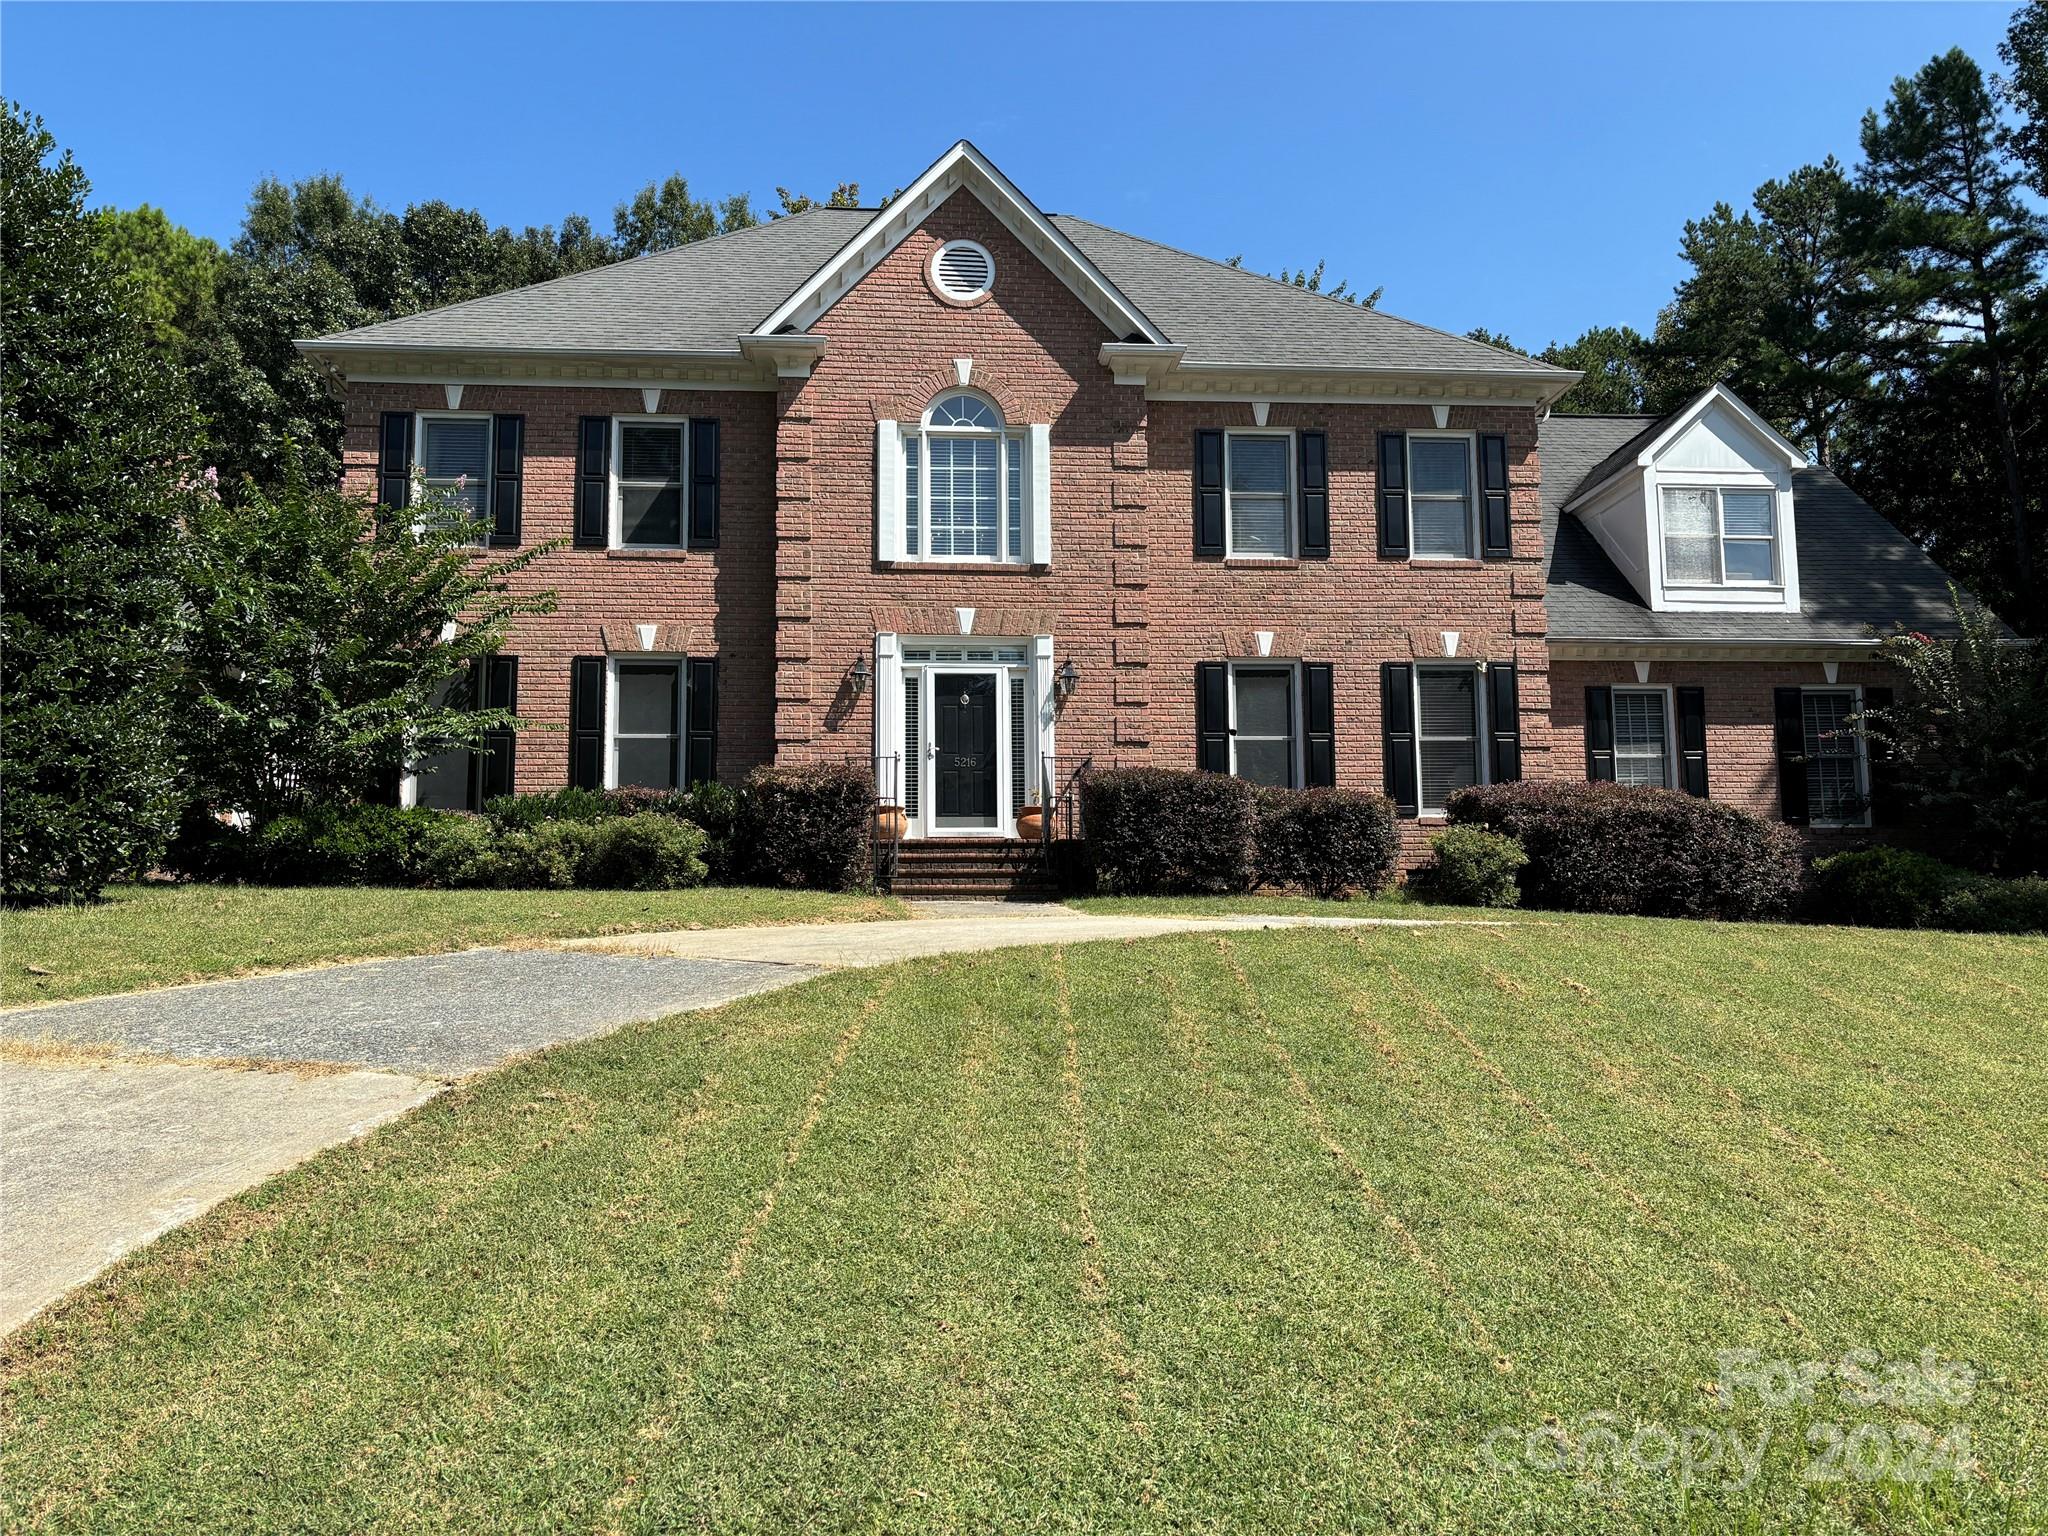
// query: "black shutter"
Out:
[1692,740]
[1600,735]
[704,482]
[700,752]
[593,482]
[586,722]
[1394,495]
[508,475]
[1212,716]
[1494,541]
[1208,493]
[394,458]
[1881,764]
[495,762]
[1791,718]
[1319,716]
[1315,496]
[1397,734]
[1504,721]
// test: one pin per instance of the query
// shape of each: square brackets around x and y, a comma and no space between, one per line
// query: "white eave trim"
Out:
[1638,649]
[1718,393]
[384,363]
[961,166]
[1324,384]
[792,357]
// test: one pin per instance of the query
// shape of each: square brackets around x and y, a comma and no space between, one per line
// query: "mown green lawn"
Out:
[1280,1231]
[158,935]
[1394,903]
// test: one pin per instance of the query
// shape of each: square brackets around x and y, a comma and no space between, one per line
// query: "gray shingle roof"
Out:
[702,297]
[1857,573]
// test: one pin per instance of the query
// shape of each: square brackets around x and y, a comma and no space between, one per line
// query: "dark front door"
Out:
[964,746]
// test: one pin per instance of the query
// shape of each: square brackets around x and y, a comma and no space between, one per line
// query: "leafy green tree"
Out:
[1960,255]
[323,638]
[1313,283]
[96,439]
[1615,360]
[171,272]
[1486,338]
[845,195]
[2025,90]
[1967,738]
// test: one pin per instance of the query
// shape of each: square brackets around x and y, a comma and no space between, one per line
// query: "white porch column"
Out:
[889,712]
[1038,687]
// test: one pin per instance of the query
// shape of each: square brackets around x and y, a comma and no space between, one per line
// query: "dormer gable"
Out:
[1697,510]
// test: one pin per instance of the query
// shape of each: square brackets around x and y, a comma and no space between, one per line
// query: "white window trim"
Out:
[1694,481]
[1296,766]
[418,467]
[611,702]
[1011,441]
[1480,756]
[1664,691]
[1288,517]
[1471,442]
[614,505]
[1855,692]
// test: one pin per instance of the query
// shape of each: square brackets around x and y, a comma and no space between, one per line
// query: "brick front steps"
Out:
[1000,869]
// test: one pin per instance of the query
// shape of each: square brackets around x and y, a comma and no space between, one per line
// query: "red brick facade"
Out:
[794,595]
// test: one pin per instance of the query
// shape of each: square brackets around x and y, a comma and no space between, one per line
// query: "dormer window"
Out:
[1716,537]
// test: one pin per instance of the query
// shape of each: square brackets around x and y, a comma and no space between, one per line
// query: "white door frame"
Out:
[895,677]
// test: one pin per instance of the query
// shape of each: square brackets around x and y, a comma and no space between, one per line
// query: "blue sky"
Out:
[1528,168]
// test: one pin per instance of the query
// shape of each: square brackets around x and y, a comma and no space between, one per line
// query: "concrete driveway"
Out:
[127,1116]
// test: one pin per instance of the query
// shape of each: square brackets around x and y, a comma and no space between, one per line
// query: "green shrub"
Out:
[715,807]
[1886,887]
[643,853]
[514,813]
[207,848]
[341,845]
[458,851]
[1650,852]
[1472,867]
[1169,832]
[550,857]
[810,826]
[1328,842]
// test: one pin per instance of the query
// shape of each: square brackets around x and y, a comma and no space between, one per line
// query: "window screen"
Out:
[649,709]
[1834,791]
[1691,550]
[1447,734]
[1440,496]
[1639,741]
[455,460]
[1262,742]
[651,483]
[1258,494]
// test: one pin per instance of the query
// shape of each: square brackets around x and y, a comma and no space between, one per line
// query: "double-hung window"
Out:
[1258,469]
[455,463]
[1263,725]
[647,493]
[963,484]
[1717,537]
[648,741]
[1440,515]
[1836,783]
[1448,734]
[1642,738]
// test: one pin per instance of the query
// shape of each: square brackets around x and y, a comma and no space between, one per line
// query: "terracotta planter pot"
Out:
[891,823]
[1031,823]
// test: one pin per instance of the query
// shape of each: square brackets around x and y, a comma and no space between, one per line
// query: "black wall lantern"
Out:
[1066,680]
[859,675]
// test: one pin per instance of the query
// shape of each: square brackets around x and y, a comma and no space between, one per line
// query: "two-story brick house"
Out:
[982,493]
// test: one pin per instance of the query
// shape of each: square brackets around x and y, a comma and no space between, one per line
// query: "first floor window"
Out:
[1262,724]
[1439,497]
[1641,738]
[1718,538]
[649,738]
[1256,475]
[648,511]
[1447,733]
[442,781]
[1834,758]
[455,461]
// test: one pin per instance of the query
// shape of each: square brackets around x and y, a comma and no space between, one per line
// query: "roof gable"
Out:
[963,167]
[1713,416]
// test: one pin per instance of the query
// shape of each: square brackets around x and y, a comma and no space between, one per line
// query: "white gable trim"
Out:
[962,166]
[1719,394]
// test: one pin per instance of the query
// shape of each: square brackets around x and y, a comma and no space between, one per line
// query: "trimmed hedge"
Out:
[1328,842]
[1472,867]
[1650,852]
[643,853]
[809,827]
[1885,887]
[1170,832]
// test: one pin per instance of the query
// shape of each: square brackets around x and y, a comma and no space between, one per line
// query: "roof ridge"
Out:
[1344,304]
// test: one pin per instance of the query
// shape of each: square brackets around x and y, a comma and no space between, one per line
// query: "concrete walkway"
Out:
[139,1112]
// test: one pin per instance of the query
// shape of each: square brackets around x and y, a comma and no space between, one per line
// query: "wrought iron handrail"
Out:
[1062,819]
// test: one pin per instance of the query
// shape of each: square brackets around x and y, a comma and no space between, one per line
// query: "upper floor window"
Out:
[1257,474]
[1440,496]
[1719,537]
[455,462]
[647,494]
[963,484]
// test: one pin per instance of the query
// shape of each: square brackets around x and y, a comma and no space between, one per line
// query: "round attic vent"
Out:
[963,271]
